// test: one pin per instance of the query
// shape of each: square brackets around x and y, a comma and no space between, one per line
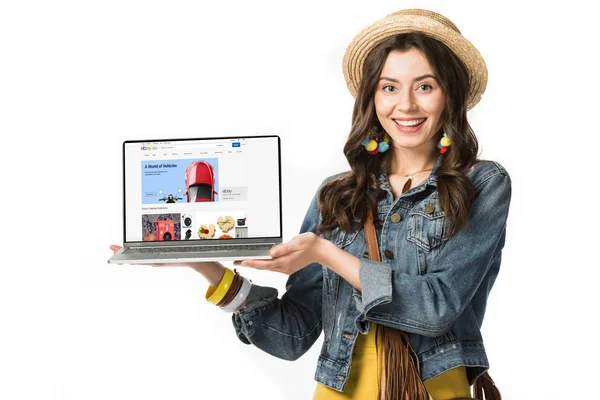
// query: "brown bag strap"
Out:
[371,235]
[406,383]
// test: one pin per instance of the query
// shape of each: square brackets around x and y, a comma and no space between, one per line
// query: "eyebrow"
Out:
[414,80]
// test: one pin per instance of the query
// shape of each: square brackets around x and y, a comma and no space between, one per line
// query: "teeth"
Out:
[412,122]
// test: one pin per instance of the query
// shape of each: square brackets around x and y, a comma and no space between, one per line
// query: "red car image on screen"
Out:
[200,182]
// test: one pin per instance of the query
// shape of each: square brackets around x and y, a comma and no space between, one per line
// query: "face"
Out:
[409,100]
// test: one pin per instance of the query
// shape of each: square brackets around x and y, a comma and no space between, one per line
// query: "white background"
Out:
[79,77]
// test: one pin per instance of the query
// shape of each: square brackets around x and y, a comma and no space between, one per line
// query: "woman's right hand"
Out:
[213,271]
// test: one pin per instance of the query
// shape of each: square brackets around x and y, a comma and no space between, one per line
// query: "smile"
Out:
[412,122]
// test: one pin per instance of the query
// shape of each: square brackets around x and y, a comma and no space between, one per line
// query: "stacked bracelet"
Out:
[235,286]
[239,299]
[213,295]
[231,291]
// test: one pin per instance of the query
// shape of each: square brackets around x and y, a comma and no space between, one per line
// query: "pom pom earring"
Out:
[376,142]
[444,143]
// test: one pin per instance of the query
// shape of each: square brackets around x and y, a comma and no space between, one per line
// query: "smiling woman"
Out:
[401,317]
[395,258]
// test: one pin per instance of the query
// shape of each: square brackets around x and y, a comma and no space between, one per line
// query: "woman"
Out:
[439,215]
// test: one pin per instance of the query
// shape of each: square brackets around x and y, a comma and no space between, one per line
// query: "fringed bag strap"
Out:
[400,374]
[484,388]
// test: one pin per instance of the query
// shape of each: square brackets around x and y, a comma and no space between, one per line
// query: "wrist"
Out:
[341,262]
[212,271]
[324,250]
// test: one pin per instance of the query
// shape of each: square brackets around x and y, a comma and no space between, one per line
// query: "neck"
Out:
[409,161]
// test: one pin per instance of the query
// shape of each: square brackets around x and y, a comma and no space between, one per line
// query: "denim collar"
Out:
[431,179]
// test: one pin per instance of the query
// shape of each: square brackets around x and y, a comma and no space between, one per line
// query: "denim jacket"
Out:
[431,287]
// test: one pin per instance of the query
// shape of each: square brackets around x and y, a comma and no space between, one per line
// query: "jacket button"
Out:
[389,254]
[396,218]
[430,208]
[340,377]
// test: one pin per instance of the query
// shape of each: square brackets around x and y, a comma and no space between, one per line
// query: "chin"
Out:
[407,144]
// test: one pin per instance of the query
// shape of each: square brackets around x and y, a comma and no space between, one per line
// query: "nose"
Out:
[406,101]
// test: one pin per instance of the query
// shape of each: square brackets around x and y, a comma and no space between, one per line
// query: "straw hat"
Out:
[414,20]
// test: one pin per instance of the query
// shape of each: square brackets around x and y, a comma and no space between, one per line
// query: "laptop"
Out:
[207,199]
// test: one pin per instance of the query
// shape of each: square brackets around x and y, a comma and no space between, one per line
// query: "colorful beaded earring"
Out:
[376,142]
[444,143]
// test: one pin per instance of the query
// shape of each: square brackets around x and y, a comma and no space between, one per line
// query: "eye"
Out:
[388,88]
[426,86]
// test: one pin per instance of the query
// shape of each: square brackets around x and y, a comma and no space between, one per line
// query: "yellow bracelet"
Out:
[213,295]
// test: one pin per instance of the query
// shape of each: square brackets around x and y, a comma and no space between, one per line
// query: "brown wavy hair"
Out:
[349,197]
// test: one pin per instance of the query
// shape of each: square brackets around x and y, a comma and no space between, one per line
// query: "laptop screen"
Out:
[201,189]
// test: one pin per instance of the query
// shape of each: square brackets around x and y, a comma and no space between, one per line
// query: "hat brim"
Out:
[394,24]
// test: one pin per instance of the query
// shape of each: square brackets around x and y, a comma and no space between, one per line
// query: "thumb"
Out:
[294,244]
[115,248]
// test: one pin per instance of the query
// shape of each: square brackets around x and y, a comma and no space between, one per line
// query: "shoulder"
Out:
[334,177]
[323,183]
[313,215]
[485,170]
[314,204]
[331,179]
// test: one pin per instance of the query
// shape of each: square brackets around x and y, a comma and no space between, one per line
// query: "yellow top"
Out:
[365,375]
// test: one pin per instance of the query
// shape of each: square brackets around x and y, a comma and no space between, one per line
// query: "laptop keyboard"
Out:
[186,249]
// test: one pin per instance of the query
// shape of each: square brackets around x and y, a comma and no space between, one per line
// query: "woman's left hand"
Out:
[290,257]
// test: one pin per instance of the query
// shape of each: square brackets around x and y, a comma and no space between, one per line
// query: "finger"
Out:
[284,261]
[115,248]
[168,265]
[289,263]
[278,250]
[285,248]
[260,264]
[297,243]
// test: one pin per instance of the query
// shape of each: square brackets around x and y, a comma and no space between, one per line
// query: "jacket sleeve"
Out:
[428,304]
[285,328]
